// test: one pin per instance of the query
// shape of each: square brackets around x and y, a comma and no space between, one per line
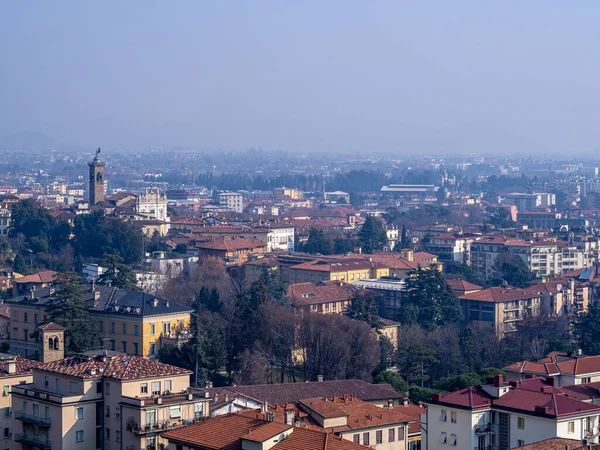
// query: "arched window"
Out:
[56,343]
[50,344]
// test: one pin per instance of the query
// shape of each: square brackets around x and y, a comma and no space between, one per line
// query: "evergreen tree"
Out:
[389,377]
[19,264]
[512,269]
[429,300]
[404,241]
[586,329]
[372,235]
[68,308]
[118,274]
[469,350]
[317,242]
[365,306]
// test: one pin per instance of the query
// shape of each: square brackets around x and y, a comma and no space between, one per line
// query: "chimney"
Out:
[405,401]
[289,417]
[265,407]
[96,295]
[436,397]
[11,366]
[390,403]
[320,378]
[498,380]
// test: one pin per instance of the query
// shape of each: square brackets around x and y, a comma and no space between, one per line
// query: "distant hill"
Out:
[33,141]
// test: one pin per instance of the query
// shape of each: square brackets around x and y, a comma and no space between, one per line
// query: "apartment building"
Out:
[500,307]
[348,270]
[530,202]
[539,220]
[232,200]
[501,416]
[233,251]
[284,193]
[451,247]
[127,321]
[103,402]
[544,258]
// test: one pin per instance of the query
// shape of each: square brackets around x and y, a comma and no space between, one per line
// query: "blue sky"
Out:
[347,76]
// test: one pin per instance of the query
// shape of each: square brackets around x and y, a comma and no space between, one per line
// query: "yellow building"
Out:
[126,321]
[109,402]
[348,270]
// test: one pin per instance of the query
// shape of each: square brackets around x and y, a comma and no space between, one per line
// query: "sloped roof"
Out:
[121,367]
[463,285]
[414,412]
[326,291]
[22,366]
[45,276]
[500,294]
[553,444]
[228,243]
[51,326]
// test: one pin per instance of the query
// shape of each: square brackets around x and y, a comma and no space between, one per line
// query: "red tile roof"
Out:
[122,367]
[414,412]
[501,294]
[327,291]
[51,326]
[229,244]
[226,433]
[46,276]
[268,431]
[552,444]
[569,365]
[22,366]
[463,285]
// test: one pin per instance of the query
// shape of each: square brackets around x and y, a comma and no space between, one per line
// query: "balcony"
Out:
[33,441]
[34,420]
[161,426]
[512,319]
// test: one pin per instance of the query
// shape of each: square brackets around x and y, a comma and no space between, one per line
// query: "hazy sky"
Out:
[397,76]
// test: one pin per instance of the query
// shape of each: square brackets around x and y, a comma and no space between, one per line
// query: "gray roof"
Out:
[111,300]
[278,394]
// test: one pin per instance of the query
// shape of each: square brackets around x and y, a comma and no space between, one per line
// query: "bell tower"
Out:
[52,342]
[96,179]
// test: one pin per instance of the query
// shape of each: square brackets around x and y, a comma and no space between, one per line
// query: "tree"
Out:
[451,384]
[68,308]
[404,241]
[364,306]
[429,300]
[19,264]
[586,329]
[317,242]
[511,269]
[462,271]
[181,248]
[372,236]
[389,377]
[469,349]
[30,219]
[117,274]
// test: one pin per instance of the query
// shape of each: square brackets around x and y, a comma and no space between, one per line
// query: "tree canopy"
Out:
[372,236]
[511,269]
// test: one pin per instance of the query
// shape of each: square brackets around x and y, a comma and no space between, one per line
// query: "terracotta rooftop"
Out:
[500,294]
[414,412]
[567,365]
[121,367]
[553,444]
[45,276]
[270,430]
[229,244]
[226,432]
[22,366]
[51,326]
[463,285]
[327,291]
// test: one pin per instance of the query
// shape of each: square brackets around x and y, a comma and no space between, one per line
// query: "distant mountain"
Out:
[33,141]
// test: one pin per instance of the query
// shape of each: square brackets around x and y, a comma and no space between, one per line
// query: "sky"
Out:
[327,76]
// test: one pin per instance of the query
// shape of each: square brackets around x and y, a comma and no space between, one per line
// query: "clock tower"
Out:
[96,179]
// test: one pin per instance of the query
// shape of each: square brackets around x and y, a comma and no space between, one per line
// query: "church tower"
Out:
[96,179]
[52,342]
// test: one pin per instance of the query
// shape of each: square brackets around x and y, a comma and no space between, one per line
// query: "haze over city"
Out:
[373,77]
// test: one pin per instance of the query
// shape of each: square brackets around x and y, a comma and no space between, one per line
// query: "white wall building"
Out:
[502,416]
[152,203]
[232,200]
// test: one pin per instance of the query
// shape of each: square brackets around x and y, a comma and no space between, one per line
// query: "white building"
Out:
[281,237]
[502,416]
[5,215]
[530,202]
[231,200]
[152,203]
[337,196]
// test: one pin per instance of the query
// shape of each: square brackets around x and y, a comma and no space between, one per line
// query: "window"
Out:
[79,413]
[443,438]
[112,327]
[452,439]
[124,328]
[107,411]
[152,329]
[378,436]
[521,423]
[118,436]
[25,317]
[6,390]
[135,330]
[117,412]
[79,436]
[366,439]
[107,434]
[156,388]
[99,388]
[356,438]
[107,389]
[571,427]
[175,412]
[391,435]
[6,433]
[144,388]
[198,410]
[168,386]
[100,326]
[167,328]
[113,345]
[443,415]
[124,343]
[26,334]
[586,380]
[453,416]
[520,443]
[135,348]
[400,433]
[7,411]
[72,386]
[35,318]
[152,349]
